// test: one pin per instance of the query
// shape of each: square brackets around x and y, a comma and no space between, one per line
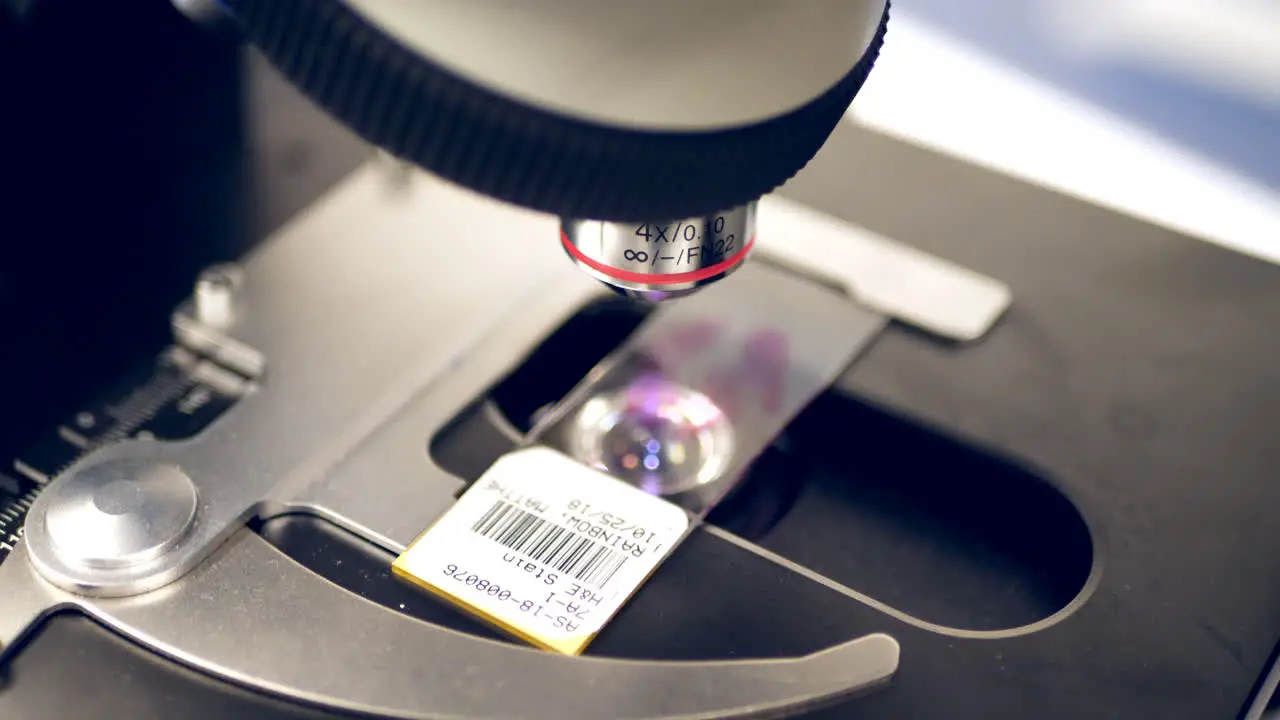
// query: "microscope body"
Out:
[927,480]
[629,121]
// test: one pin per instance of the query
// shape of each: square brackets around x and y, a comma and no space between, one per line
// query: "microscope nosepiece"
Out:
[665,259]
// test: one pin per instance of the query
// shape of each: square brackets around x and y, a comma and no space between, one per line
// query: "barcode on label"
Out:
[549,544]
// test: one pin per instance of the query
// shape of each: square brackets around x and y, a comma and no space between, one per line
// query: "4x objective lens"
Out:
[662,259]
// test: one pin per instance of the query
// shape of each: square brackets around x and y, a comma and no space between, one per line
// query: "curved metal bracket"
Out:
[298,635]
[355,397]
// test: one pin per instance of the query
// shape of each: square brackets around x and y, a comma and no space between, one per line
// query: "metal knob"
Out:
[215,295]
[661,260]
[119,514]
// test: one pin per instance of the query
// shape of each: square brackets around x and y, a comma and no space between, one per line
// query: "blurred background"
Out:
[1167,110]
[1201,73]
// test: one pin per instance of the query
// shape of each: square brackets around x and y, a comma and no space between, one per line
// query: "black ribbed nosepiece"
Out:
[428,115]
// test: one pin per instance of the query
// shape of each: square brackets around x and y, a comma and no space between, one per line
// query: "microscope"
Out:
[799,420]
[651,130]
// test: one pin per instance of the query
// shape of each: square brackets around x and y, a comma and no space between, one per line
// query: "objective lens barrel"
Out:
[662,259]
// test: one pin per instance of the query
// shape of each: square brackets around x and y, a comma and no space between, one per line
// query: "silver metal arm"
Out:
[254,616]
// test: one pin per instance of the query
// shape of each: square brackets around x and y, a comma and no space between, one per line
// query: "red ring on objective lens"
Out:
[655,278]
